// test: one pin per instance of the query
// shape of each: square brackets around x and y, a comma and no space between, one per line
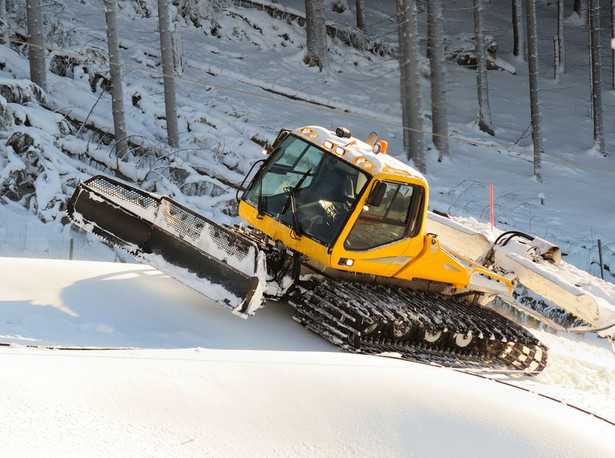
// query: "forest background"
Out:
[179,97]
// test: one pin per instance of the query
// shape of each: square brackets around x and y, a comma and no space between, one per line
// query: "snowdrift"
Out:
[199,402]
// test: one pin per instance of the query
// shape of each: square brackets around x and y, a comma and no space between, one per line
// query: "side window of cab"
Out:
[390,213]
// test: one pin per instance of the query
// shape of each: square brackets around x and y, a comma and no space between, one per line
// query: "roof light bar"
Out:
[307,132]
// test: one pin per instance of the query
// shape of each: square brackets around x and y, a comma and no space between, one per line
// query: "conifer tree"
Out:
[484,120]
[168,70]
[36,39]
[117,97]
[316,31]
[435,44]
[412,117]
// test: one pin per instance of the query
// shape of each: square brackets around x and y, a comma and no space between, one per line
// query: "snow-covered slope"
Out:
[253,403]
[262,386]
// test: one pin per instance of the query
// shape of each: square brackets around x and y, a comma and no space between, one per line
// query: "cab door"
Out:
[382,237]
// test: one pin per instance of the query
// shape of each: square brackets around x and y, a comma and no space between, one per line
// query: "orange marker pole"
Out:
[491,204]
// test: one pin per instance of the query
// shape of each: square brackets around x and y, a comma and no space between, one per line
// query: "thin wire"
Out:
[314,106]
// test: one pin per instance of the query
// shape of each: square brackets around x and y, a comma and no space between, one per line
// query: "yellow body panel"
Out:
[417,257]
[284,234]
[420,257]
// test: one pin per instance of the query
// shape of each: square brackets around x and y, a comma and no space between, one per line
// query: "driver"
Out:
[325,204]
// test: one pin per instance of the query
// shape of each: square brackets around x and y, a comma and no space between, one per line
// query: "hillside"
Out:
[244,80]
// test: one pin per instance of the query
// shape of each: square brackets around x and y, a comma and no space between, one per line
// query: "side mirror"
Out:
[283,135]
[377,195]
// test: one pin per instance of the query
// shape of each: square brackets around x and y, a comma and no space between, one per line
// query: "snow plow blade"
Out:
[175,240]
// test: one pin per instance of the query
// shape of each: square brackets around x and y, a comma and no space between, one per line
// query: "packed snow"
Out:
[193,379]
[181,376]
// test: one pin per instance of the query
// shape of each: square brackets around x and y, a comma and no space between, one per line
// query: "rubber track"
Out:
[365,318]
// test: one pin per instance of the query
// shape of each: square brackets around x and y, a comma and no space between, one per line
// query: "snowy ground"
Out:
[204,382]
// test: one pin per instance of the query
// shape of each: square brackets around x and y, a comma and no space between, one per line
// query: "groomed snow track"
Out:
[420,326]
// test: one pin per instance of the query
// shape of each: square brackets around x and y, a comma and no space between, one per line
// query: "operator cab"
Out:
[315,188]
[308,189]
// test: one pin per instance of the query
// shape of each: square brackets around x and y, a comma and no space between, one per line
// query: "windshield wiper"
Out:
[291,201]
[291,193]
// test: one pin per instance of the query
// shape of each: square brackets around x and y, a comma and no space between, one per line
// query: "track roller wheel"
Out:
[401,329]
[432,337]
[463,340]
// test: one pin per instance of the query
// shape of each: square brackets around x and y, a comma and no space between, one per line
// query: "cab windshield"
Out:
[395,217]
[308,189]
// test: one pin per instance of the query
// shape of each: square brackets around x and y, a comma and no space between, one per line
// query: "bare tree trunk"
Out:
[316,31]
[612,43]
[36,40]
[596,64]
[435,40]
[403,72]
[518,35]
[484,110]
[117,97]
[178,50]
[560,55]
[168,70]
[532,54]
[410,85]
[580,7]
[360,5]
[5,22]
